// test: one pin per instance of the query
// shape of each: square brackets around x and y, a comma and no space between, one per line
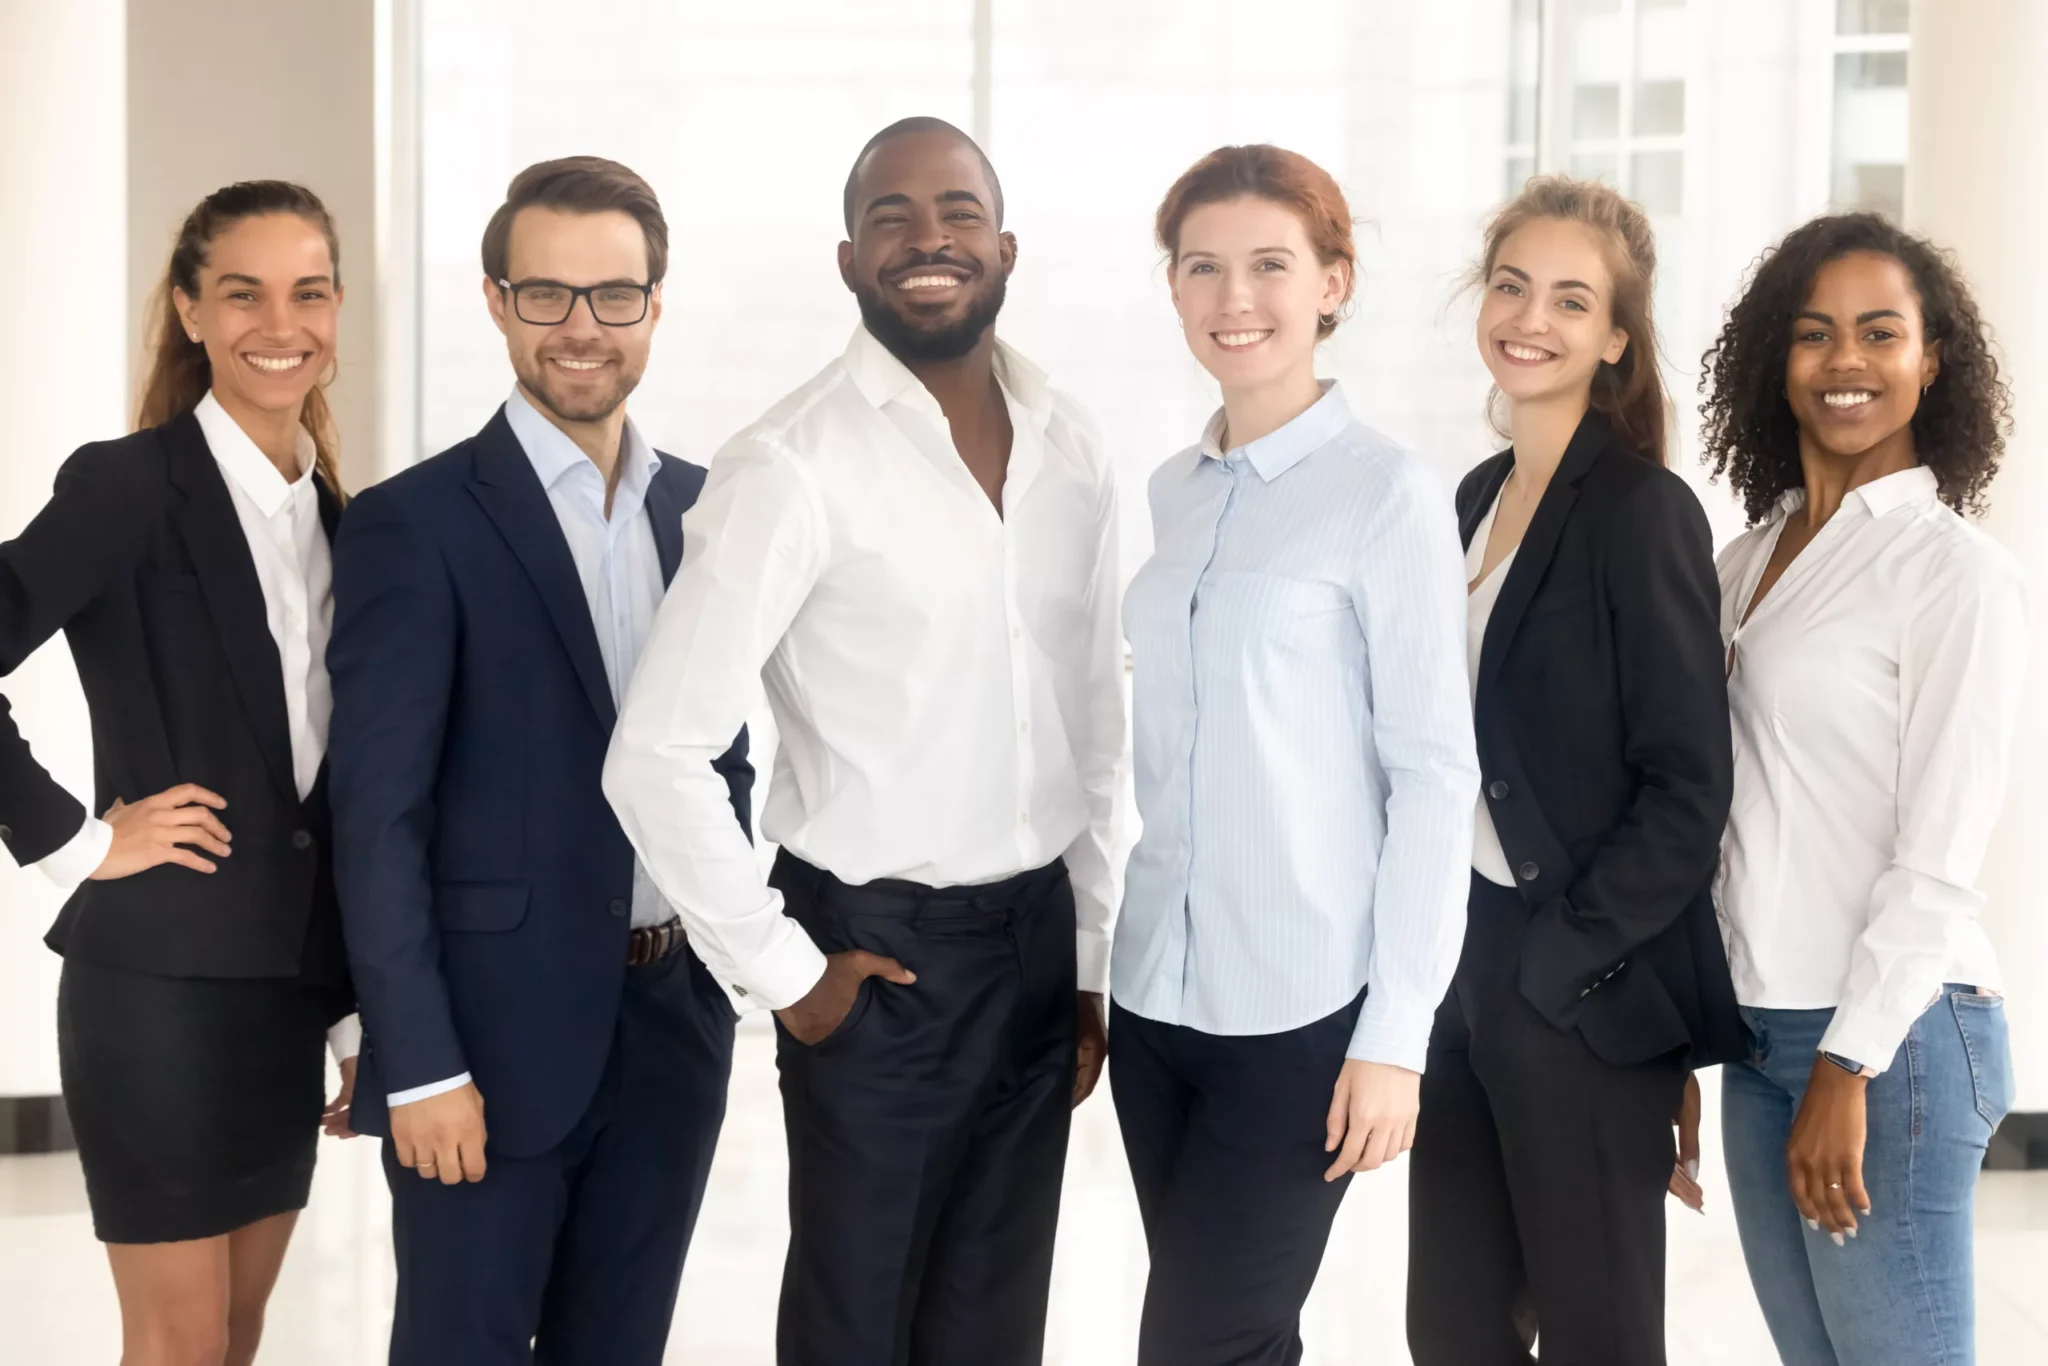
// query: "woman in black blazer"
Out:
[1593,976]
[187,565]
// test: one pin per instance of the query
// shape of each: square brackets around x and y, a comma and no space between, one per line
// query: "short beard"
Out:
[596,409]
[912,344]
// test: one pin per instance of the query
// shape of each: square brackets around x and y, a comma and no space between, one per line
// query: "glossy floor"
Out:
[333,1305]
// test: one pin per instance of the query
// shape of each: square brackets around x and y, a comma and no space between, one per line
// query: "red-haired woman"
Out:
[1592,974]
[203,965]
[1306,776]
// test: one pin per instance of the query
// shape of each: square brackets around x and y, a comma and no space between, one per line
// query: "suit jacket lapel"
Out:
[1496,474]
[1539,543]
[213,536]
[512,496]
[674,487]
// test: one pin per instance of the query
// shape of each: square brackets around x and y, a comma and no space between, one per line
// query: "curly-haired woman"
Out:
[1876,643]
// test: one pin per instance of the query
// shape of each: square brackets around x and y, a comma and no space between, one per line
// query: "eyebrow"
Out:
[1255,251]
[1526,278]
[1872,316]
[236,278]
[947,197]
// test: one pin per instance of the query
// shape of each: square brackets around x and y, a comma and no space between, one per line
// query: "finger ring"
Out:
[1834,1185]
[424,1168]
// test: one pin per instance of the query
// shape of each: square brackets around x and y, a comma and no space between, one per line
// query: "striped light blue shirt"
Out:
[1305,765]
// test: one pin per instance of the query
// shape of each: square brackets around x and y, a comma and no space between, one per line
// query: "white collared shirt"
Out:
[1489,859]
[1874,692]
[281,522]
[946,680]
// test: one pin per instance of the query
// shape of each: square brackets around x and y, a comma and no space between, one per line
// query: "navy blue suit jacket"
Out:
[485,883]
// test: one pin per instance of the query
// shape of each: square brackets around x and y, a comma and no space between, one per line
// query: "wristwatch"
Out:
[1849,1065]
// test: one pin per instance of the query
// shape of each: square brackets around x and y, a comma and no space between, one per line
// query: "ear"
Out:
[846,264]
[1006,250]
[188,310]
[1617,347]
[1930,365]
[495,300]
[654,306]
[1336,285]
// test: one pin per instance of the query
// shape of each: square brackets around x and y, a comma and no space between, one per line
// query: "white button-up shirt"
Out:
[945,679]
[1306,772]
[1873,695]
[281,521]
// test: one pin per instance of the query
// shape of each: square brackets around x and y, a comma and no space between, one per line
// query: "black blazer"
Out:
[140,559]
[1604,751]
[486,883]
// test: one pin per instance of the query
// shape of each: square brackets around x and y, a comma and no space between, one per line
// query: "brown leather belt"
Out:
[652,943]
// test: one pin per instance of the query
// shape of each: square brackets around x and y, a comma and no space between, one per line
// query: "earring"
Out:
[1925,387]
[1327,319]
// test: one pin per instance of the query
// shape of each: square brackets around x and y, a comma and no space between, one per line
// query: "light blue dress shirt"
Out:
[1305,765]
[616,559]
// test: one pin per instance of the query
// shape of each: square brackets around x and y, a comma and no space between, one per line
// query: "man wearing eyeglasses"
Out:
[545,1058]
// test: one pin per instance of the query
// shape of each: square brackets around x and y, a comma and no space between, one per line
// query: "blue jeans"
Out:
[1901,1292]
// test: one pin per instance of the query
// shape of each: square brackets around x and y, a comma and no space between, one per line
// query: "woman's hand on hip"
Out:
[1824,1157]
[1685,1175]
[158,830]
[1372,1116]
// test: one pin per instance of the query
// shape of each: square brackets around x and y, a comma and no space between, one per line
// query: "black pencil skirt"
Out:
[196,1101]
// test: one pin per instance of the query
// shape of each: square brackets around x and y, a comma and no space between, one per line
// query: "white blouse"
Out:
[1489,860]
[1873,693]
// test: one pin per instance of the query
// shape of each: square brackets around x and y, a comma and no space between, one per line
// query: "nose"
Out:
[929,233]
[1237,291]
[1531,317]
[278,322]
[582,320]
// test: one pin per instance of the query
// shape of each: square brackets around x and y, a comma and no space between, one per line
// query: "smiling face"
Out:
[579,370]
[1251,292]
[265,310]
[1547,320]
[928,261]
[1859,357]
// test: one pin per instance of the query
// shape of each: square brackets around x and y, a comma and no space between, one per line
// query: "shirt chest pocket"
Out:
[1253,617]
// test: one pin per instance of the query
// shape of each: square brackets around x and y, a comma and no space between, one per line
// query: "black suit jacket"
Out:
[140,559]
[1604,751]
[486,885]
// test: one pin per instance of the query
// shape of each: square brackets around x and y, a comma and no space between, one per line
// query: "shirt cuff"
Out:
[435,1088]
[75,860]
[782,976]
[1092,962]
[1387,1036]
[345,1039]
[1861,1034]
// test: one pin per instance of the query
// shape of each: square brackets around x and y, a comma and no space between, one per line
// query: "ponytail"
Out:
[179,373]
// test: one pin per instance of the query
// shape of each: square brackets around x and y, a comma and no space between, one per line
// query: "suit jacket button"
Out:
[1498,791]
[619,907]
[302,839]
[1529,872]
[6,832]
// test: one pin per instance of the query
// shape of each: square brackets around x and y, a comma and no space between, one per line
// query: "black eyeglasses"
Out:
[548,303]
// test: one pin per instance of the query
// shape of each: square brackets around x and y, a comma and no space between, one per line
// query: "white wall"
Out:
[63,381]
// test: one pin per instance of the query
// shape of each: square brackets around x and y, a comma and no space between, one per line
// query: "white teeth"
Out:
[1847,398]
[568,364]
[1243,338]
[275,364]
[1524,352]
[928,282]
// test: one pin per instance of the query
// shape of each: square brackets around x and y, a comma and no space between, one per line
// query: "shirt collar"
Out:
[1880,496]
[247,467]
[1279,451]
[553,453]
[883,379]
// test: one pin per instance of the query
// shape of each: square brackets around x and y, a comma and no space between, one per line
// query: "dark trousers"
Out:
[928,1133]
[1225,1139]
[1537,1182]
[573,1258]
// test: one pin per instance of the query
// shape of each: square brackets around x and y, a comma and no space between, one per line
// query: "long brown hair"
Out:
[1630,392]
[179,372]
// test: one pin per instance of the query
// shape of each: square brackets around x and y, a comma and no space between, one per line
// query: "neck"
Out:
[1541,429]
[275,431]
[600,439]
[1249,414]
[961,385]
[1831,477]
